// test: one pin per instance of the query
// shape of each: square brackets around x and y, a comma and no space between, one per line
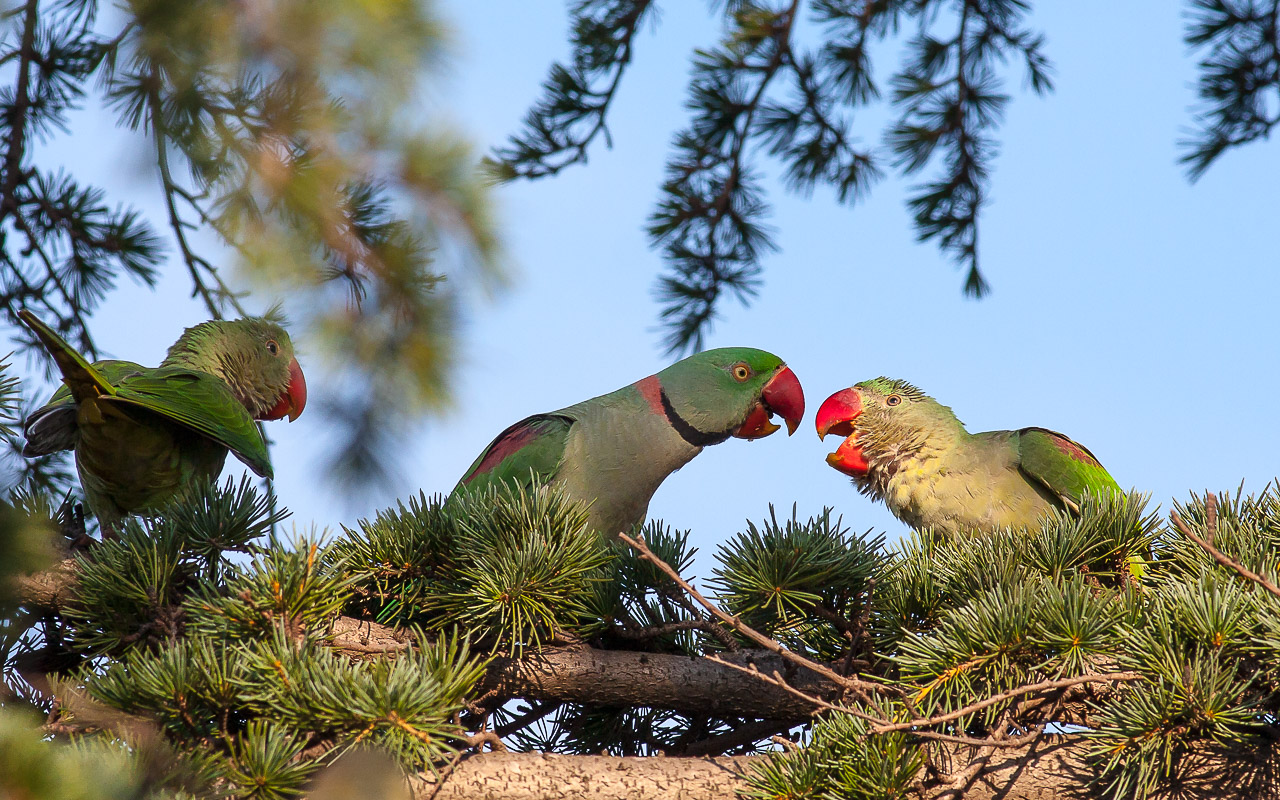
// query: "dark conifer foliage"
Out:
[1238,42]
[786,81]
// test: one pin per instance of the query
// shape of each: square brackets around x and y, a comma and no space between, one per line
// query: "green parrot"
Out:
[613,451]
[909,450]
[142,434]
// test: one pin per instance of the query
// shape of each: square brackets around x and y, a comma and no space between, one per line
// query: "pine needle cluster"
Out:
[513,567]
[1239,41]
[221,663]
[1009,636]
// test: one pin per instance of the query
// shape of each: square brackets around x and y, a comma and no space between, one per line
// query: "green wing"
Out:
[52,427]
[201,402]
[78,374]
[113,370]
[1062,466]
[533,445]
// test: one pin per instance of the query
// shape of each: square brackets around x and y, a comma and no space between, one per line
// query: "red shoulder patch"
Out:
[508,442]
[1074,450]
[650,389]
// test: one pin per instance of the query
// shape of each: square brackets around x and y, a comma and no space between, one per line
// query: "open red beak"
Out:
[837,415]
[295,397]
[783,396]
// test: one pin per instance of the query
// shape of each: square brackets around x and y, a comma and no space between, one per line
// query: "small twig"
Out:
[856,684]
[786,743]
[216,299]
[1211,515]
[481,738]
[777,680]
[1030,688]
[1217,554]
[739,736]
[823,705]
[721,635]
[522,722]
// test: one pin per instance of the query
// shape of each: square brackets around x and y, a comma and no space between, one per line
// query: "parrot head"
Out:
[734,391]
[882,421]
[254,357]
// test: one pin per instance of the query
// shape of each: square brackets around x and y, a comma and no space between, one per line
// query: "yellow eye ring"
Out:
[741,372]
[272,347]
[892,400]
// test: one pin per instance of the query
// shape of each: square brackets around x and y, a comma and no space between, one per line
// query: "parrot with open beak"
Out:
[613,451]
[907,449]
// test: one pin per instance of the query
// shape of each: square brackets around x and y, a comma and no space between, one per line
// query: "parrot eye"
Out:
[741,372]
[892,400]
[272,347]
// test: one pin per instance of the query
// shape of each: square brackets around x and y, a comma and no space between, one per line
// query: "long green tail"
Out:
[79,375]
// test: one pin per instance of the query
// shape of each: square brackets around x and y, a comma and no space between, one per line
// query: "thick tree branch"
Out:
[533,776]
[1047,767]
[657,680]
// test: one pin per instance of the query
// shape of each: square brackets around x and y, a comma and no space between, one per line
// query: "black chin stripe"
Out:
[690,434]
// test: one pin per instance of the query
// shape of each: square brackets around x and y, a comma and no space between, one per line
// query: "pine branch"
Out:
[1239,76]
[707,221]
[572,111]
[15,152]
[220,296]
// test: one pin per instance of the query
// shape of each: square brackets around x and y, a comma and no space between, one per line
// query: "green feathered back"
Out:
[1062,466]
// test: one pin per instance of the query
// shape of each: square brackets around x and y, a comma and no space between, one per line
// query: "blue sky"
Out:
[1131,310]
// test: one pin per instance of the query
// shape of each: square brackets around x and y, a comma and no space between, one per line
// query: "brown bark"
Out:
[50,589]
[683,683]
[622,677]
[1054,769]
[534,776]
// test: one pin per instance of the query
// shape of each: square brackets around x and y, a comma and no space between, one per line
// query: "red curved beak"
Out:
[837,415]
[783,396]
[294,398]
